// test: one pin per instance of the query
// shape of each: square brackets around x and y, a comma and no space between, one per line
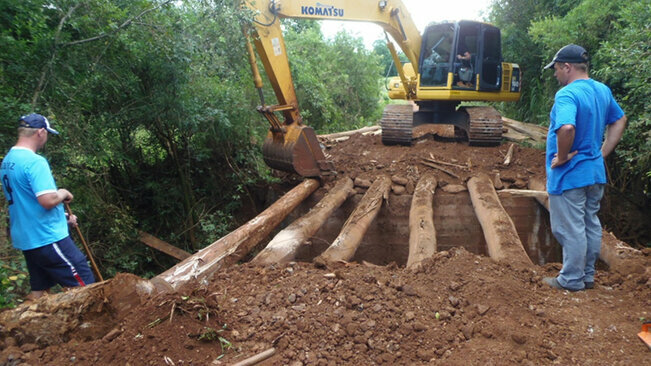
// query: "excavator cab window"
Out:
[436,55]
[490,68]
[466,52]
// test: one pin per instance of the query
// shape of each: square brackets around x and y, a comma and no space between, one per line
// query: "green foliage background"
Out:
[156,109]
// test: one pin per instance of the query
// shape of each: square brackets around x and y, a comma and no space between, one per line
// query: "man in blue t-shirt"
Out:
[583,109]
[37,221]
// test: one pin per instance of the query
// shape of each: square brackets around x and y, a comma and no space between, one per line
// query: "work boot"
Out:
[553,282]
[588,285]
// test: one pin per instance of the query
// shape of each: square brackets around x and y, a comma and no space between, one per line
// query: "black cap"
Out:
[571,53]
[36,120]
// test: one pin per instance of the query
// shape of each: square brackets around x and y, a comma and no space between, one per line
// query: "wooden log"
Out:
[538,195]
[509,155]
[236,244]
[257,358]
[501,236]
[332,136]
[422,234]
[535,132]
[344,246]
[167,248]
[76,315]
[538,184]
[284,245]
[621,257]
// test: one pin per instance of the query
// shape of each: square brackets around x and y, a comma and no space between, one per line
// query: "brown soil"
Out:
[365,157]
[458,309]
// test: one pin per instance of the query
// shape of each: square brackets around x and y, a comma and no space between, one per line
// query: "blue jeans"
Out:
[577,228]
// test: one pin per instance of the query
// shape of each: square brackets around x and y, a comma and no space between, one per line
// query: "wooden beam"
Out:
[538,184]
[349,133]
[284,245]
[167,248]
[502,239]
[538,195]
[422,234]
[535,132]
[235,245]
[343,248]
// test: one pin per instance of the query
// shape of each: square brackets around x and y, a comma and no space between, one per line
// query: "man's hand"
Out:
[51,200]
[72,220]
[65,195]
[556,161]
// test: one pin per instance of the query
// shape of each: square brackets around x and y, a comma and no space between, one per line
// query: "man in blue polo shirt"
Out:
[583,109]
[38,224]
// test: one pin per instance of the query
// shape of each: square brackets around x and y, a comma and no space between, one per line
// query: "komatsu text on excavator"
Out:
[449,63]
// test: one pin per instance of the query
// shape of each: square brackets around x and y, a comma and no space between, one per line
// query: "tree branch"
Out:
[46,68]
[123,25]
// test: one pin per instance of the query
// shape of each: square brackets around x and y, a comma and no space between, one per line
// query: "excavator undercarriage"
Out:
[480,126]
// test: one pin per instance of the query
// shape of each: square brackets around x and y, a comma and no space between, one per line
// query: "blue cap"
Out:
[35,120]
[571,53]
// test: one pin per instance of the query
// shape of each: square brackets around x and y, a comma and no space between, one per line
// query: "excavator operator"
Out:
[464,70]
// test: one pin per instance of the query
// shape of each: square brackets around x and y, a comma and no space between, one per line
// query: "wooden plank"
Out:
[167,248]
[535,132]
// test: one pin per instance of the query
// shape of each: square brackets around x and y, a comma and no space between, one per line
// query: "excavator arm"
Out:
[290,145]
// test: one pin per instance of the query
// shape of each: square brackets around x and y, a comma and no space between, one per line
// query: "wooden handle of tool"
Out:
[83,241]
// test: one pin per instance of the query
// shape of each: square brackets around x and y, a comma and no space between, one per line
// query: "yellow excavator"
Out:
[449,63]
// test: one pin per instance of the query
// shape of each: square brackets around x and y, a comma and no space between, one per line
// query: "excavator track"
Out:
[397,124]
[484,126]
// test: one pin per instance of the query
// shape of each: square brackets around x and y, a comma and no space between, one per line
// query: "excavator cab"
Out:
[467,52]
[460,61]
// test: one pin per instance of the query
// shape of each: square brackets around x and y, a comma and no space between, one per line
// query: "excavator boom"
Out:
[290,145]
[434,78]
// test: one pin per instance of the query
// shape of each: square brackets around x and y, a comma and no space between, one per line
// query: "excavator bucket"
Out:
[296,150]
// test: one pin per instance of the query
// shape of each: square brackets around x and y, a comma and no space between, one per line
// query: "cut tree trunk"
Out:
[422,234]
[501,237]
[78,314]
[284,245]
[344,246]
[236,244]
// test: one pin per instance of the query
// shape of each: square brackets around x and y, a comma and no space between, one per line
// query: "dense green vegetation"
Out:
[156,109]
[156,106]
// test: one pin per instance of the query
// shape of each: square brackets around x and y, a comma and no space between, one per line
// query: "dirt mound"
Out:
[459,308]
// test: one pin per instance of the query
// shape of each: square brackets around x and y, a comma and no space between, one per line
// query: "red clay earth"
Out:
[458,309]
